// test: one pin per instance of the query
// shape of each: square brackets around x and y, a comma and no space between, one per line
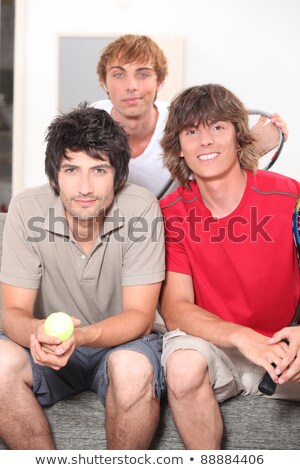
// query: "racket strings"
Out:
[268,138]
[267,141]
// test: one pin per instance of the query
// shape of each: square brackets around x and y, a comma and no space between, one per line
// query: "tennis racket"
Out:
[269,138]
[165,188]
[269,142]
[267,386]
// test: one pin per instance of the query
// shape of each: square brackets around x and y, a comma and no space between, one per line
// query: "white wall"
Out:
[250,46]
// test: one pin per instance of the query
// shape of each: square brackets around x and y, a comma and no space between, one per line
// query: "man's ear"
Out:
[103,84]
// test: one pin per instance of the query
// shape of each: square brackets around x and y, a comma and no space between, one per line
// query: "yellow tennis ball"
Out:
[59,325]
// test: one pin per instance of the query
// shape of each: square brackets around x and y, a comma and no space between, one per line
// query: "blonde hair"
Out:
[133,48]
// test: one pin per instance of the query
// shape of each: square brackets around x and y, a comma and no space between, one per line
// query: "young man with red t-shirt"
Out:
[232,278]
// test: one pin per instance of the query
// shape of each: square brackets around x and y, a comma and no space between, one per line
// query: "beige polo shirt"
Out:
[40,252]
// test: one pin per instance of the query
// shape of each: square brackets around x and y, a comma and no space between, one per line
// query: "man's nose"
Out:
[131,83]
[85,185]
[205,137]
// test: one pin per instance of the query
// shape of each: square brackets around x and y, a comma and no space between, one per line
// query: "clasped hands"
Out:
[49,351]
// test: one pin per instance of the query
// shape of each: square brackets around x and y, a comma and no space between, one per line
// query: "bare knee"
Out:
[130,377]
[14,365]
[187,372]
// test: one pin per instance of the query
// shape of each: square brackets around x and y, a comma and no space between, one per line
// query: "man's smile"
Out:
[208,156]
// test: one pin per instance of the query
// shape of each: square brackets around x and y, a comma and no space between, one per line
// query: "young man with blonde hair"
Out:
[132,70]
[232,279]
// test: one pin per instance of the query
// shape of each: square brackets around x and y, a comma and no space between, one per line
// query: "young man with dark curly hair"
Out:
[90,245]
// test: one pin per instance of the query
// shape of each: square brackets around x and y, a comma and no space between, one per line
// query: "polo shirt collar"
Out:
[114,218]
[55,220]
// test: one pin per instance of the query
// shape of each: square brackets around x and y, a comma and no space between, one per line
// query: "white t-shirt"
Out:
[147,169]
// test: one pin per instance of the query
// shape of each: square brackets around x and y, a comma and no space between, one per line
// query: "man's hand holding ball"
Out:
[54,342]
[60,325]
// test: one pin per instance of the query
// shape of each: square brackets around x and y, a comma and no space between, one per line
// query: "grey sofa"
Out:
[249,422]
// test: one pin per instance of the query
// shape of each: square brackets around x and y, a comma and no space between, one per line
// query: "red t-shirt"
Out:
[244,266]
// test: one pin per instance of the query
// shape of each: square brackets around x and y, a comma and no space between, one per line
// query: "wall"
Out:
[250,46]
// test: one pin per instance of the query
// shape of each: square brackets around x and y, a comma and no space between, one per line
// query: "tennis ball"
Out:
[59,325]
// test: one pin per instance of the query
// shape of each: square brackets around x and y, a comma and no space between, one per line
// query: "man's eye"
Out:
[99,170]
[118,75]
[70,170]
[218,126]
[191,132]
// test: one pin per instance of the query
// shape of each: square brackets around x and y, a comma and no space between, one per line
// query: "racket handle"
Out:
[266,385]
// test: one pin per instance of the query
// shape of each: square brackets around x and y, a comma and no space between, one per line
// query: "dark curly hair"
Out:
[89,130]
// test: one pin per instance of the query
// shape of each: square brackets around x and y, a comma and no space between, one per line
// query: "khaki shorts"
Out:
[230,372]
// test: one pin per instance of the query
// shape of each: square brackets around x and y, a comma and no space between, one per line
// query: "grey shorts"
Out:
[230,372]
[87,370]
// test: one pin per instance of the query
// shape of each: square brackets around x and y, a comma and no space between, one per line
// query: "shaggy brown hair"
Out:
[205,104]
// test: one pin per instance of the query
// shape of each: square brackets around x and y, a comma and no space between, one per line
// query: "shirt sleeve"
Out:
[177,259]
[144,250]
[20,265]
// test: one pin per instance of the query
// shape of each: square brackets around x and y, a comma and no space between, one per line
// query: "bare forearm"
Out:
[18,324]
[196,321]
[119,329]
